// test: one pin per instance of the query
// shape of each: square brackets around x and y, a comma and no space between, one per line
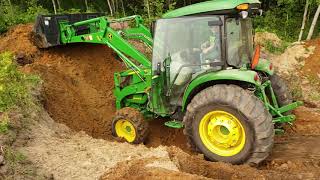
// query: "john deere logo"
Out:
[110,36]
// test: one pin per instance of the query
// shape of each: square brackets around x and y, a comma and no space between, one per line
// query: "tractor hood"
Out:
[208,7]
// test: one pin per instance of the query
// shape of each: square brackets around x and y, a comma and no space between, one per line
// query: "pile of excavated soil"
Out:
[263,38]
[292,59]
[312,64]
[78,83]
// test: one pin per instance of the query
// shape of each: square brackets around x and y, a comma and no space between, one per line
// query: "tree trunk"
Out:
[110,8]
[54,6]
[117,6]
[304,20]
[314,22]
[123,10]
[59,5]
[113,7]
[86,3]
[148,8]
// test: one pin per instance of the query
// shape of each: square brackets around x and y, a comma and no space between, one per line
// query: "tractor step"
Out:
[46,32]
[174,124]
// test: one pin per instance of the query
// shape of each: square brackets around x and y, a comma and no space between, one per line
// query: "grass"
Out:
[16,87]
[315,96]
[276,49]
[13,157]
[15,98]
[4,123]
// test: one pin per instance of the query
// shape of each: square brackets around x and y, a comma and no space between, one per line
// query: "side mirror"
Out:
[152,28]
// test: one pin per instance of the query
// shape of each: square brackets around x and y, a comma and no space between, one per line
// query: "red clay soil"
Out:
[77,80]
[312,64]
[78,83]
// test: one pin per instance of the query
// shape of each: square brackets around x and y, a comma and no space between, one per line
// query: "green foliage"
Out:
[69,11]
[276,49]
[4,123]
[15,86]
[11,14]
[13,157]
[284,17]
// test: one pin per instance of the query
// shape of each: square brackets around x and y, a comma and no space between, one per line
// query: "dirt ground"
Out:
[77,92]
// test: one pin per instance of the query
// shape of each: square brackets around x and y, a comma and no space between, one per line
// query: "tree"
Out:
[147,5]
[54,6]
[110,7]
[123,10]
[59,5]
[86,3]
[314,22]
[304,20]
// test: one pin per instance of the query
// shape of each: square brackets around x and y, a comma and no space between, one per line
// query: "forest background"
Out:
[283,17]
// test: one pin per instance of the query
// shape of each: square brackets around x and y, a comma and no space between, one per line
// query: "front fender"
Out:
[246,76]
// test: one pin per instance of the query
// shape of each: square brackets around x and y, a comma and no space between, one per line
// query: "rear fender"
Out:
[234,75]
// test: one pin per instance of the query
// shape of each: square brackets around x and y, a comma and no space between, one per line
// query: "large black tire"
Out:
[141,127]
[281,91]
[255,119]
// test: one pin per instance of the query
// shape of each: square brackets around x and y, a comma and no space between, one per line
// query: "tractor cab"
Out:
[188,46]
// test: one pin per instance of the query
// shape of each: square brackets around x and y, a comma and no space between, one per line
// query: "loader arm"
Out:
[100,32]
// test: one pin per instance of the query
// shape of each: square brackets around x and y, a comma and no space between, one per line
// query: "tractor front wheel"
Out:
[130,125]
[228,124]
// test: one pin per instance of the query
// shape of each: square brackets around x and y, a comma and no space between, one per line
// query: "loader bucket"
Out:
[46,32]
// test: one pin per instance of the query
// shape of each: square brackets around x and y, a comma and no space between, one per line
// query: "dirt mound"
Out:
[263,38]
[78,80]
[292,58]
[78,83]
[312,64]
[17,40]
[152,168]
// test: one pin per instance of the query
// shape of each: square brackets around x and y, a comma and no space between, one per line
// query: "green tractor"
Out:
[205,76]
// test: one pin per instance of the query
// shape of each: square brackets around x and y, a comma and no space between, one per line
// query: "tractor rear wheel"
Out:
[130,125]
[281,91]
[228,124]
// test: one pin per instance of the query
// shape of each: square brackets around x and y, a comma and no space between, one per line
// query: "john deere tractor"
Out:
[205,76]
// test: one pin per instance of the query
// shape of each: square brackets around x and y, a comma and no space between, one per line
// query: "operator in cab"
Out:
[211,48]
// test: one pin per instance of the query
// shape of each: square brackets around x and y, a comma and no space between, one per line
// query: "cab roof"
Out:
[208,6]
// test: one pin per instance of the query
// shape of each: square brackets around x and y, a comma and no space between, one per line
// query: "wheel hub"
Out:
[126,130]
[222,133]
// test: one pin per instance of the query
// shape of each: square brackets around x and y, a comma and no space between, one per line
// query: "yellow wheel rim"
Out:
[222,133]
[126,130]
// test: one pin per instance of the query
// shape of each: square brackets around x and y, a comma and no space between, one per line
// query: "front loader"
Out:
[204,76]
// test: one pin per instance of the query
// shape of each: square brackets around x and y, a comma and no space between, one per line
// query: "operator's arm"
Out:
[210,45]
[206,50]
